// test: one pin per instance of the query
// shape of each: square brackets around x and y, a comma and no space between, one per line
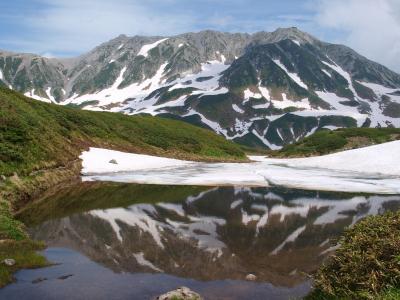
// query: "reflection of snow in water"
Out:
[144,262]
[256,209]
[291,238]
[202,229]
[141,216]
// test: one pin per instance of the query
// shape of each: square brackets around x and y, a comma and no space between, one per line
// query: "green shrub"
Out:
[367,263]
[327,141]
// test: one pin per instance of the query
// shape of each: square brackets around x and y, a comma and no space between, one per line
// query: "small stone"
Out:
[3,178]
[65,277]
[9,262]
[182,293]
[16,180]
[113,161]
[251,277]
[38,280]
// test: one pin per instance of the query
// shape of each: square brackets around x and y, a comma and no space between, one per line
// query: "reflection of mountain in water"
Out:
[217,234]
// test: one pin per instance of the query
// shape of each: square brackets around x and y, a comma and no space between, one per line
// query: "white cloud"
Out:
[79,25]
[371,27]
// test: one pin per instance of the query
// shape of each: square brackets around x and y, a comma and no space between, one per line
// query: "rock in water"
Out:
[182,293]
[38,280]
[113,161]
[251,277]
[9,262]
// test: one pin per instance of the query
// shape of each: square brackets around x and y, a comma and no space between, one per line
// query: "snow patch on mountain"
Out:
[381,90]
[49,95]
[267,143]
[344,74]
[293,76]
[241,128]
[360,118]
[264,91]
[296,42]
[285,103]
[144,51]
[237,109]
[249,94]
[327,73]
[32,94]
[213,125]
[206,81]
[116,95]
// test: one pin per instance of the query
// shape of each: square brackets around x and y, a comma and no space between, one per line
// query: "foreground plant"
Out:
[367,264]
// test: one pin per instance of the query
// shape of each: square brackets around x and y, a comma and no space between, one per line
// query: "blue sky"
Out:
[72,27]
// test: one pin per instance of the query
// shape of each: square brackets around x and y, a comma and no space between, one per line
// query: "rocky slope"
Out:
[266,89]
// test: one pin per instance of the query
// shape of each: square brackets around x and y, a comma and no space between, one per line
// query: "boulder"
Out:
[251,277]
[182,293]
[9,262]
[113,161]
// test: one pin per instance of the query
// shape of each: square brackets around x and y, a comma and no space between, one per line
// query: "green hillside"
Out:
[36,135]
[326,141]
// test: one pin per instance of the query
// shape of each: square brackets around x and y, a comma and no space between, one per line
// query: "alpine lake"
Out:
[128,241]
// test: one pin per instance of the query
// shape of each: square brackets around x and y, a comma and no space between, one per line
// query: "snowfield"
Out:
[97,160]
[373,169]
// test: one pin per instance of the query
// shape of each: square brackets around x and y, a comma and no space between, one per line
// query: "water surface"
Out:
[125,241]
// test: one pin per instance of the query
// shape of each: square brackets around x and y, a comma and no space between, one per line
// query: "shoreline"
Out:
[16,193]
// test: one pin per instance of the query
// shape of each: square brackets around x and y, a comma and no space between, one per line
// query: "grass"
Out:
[9,227]
[24,253]
[326,141]
[36,135]
[367,264]
[390,294]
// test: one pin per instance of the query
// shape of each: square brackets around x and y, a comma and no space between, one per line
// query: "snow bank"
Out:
[379,159]
[98,160]
[372,169]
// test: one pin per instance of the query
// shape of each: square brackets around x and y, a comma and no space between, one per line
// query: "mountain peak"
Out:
[292,33]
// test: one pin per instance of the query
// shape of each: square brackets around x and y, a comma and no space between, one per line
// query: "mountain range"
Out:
[265,89]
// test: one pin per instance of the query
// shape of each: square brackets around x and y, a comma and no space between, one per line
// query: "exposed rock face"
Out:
[265,89]
[182,293]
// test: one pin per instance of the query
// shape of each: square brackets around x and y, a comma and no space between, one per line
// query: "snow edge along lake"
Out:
[373,169]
